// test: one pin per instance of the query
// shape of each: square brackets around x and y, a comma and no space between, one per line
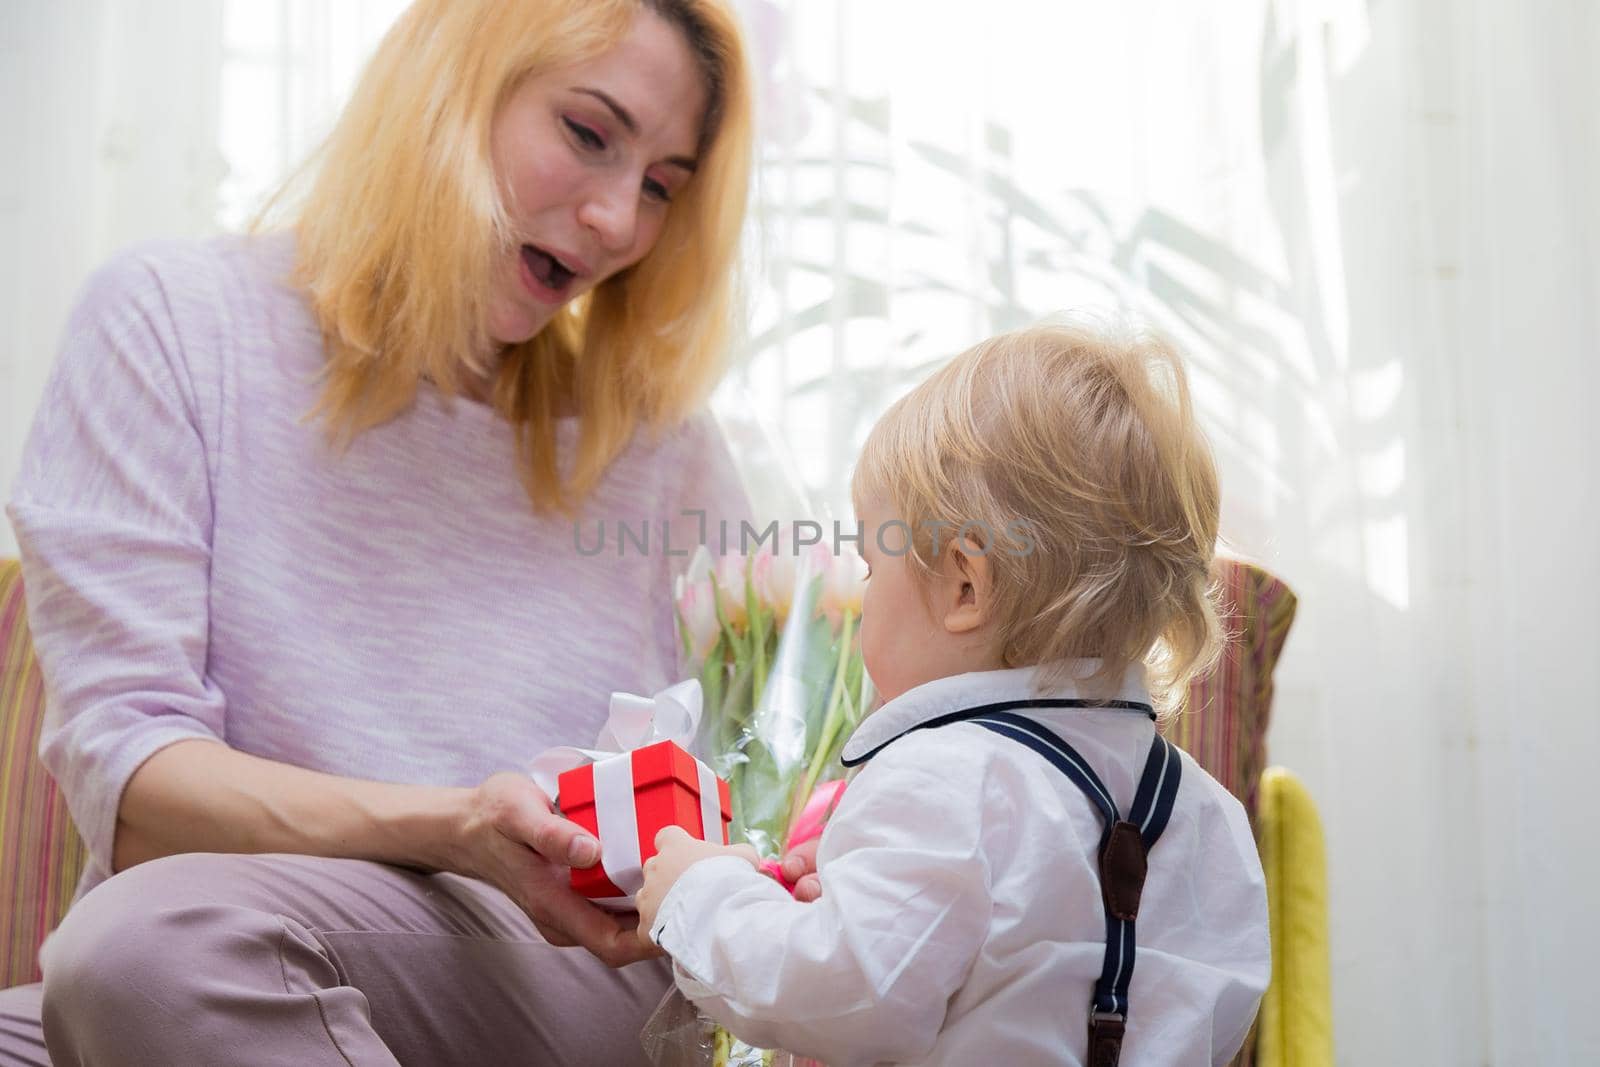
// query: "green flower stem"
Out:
[711,676]
[683,631]
[736,641]
[758,638]
[835,718]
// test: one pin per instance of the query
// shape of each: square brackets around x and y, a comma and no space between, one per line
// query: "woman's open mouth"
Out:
[547,277]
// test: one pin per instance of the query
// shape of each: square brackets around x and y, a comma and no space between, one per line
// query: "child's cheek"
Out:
[872,654]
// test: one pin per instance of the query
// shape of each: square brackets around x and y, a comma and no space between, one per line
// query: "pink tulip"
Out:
[773,574]
[814,816]
[730,571]
[843,586]
[697,606]
[808,826]
[699,567]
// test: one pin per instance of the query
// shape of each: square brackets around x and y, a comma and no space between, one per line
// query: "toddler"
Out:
[1022,871]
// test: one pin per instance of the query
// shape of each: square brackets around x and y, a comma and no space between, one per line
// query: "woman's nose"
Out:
[611,211]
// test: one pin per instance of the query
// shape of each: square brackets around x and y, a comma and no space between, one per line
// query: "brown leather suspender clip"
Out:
[1122,870]
[1105,1039]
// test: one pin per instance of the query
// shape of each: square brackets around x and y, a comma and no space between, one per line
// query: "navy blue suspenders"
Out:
[1124,843]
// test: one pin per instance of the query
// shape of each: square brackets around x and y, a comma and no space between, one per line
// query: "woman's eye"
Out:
[586,136]
[656,191]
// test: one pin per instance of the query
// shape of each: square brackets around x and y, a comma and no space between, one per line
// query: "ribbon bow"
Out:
[633,722]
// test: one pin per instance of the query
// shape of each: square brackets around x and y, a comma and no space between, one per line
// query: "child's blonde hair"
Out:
[1072,456]
[399,229]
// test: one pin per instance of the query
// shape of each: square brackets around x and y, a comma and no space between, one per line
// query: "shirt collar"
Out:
[962,691]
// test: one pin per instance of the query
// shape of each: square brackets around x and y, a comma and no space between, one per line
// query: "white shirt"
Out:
[961,919]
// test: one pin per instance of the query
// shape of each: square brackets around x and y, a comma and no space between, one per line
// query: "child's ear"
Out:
[968,587]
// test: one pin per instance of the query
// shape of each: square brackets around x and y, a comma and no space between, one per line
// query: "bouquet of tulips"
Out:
[774,639]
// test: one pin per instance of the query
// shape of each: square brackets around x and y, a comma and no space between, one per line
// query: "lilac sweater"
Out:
[199,563]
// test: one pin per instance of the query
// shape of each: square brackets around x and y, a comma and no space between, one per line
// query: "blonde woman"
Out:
[297,520]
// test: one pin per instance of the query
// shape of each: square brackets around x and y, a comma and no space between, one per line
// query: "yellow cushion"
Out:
[1295,1028]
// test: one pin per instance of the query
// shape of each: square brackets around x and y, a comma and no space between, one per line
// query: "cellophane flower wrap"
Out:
[774,637]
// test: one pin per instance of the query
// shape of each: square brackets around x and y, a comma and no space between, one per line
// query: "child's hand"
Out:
[800,871]
[676,852]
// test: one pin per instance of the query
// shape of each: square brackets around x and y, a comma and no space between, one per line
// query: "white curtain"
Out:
[1373,226]
[1374,229]
[109,120]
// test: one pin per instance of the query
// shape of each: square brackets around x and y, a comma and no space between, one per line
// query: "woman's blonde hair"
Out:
[399,229]
[1073,452]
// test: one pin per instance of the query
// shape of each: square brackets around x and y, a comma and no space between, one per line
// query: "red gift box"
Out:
[666,792]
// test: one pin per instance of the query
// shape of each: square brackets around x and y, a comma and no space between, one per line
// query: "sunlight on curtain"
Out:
[287,68]
[928,180]
[108,118]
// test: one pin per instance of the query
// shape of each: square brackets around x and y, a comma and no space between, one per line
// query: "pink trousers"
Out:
[297,961]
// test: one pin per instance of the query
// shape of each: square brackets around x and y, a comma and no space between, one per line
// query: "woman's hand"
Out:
[676,852]
[512,839]
[800,871]
[201,796]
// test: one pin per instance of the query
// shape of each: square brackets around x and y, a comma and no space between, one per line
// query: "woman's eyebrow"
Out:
[632,126]
[622,114]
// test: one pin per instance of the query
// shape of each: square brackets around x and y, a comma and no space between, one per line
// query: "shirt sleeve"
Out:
[1235,885]
[865,973]
[112,512]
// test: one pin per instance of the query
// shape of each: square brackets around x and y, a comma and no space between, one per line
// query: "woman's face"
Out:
[588,158]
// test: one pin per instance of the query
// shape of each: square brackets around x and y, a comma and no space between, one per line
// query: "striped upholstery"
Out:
[40,853]
[1223,724]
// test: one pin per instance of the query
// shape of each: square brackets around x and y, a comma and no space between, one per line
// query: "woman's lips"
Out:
[548,276]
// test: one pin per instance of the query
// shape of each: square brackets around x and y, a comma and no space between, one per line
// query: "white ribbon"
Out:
[633,722]
[711,828]
[618,822]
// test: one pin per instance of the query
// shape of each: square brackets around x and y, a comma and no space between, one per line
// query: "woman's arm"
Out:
[202,796]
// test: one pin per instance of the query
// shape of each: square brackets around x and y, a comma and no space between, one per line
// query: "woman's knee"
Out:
[152,932]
